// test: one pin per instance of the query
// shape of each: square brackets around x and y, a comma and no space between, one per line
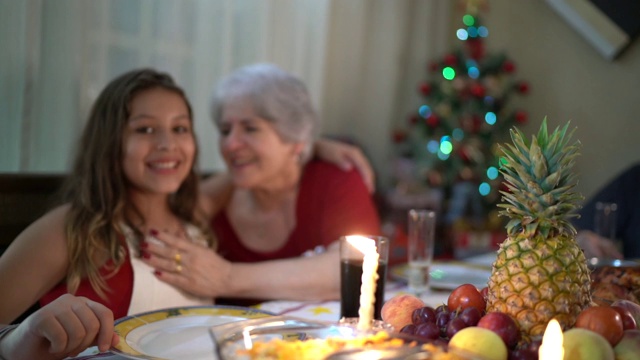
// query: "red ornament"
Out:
[523,87]
[476,123]
[433,66]
[399,136]
[521,117]
[450,60]
[433,121]
[413,119]
[464,156]
[425,88]
[508,66]
[475,48]
[434,178]
[477,90]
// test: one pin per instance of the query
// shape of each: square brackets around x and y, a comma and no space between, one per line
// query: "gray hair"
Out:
[275,95]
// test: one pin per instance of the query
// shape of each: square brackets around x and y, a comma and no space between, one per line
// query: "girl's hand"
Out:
[63,328]
[191,267]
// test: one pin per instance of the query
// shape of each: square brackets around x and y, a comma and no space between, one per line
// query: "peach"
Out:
[629,347]
[583,344]
[397,311]
[480,342]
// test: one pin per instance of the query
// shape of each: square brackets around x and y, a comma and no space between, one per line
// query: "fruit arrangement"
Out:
[540,273]
[600,332]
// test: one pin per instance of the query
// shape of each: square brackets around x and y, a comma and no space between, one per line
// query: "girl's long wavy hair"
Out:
[97,189]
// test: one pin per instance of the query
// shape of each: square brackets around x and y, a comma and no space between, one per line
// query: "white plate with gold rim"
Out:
[176,333]
[448,275]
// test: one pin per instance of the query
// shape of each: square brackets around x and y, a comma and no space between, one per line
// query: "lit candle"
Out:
[369,277]
[551,347]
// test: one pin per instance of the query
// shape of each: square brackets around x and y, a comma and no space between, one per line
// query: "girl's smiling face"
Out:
[158,143]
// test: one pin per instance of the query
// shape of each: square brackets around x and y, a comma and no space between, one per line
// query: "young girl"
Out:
[133,175]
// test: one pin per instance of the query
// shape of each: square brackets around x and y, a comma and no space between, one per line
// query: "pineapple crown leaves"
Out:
[540,196]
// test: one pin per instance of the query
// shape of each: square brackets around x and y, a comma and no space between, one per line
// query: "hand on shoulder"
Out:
[346,157]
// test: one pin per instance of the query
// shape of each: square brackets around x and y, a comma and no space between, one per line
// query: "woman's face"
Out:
[158,143]
[254,152]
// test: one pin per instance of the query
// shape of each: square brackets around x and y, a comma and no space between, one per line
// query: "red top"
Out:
[119,285]
[331,203]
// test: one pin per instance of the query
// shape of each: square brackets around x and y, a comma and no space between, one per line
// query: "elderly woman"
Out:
[280,204]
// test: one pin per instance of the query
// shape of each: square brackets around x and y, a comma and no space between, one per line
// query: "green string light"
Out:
[468,20]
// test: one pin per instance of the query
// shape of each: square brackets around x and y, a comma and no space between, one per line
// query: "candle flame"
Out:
[363,244]
[552,342]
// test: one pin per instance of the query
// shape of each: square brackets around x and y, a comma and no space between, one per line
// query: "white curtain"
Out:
[360,58]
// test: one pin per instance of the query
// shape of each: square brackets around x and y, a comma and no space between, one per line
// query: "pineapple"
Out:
[540,272]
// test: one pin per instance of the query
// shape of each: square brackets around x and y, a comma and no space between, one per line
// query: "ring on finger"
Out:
[178,258]
[178,268]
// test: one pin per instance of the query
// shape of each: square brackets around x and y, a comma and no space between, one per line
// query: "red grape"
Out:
[408,329]
[534,345]
[440,342]
[470,316]
[455,325]
[628,322]
[428,331]
[423,315]
[442,319]
[523,354]
[503,325]
[484,292]
[442,308]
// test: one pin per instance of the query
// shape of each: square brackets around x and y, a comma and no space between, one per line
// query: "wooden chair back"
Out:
[23,199]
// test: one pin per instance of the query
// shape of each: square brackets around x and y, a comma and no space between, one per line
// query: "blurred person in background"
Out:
[624,192]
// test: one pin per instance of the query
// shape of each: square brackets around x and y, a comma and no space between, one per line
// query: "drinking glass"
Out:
[351,260]
[421,237]
[605,222]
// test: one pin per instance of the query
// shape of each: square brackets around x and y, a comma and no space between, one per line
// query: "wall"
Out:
[377,53]
[570,80]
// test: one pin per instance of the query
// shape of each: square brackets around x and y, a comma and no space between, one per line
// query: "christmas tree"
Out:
[449,142]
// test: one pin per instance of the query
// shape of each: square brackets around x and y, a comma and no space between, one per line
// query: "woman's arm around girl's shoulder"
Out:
[215,192]
[33,264]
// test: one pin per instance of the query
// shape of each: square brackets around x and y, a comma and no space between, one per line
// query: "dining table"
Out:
[474,270]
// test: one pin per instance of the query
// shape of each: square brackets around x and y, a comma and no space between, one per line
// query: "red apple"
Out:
[464,296]
[503,325]
[603,320]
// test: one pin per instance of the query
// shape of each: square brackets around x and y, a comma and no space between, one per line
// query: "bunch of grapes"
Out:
[466,307]
[440,324]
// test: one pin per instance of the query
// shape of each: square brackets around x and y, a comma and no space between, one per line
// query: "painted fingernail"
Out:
[145,254]
[157,273]
[153,232]
[144,245]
